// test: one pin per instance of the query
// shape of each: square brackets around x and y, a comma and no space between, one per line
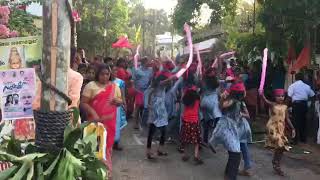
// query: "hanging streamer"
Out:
[231,53]
[189,38]
[136,57]
[199,67]
[264,69]
[215,63]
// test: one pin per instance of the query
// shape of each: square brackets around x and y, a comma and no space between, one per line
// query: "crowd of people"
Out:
[201,108]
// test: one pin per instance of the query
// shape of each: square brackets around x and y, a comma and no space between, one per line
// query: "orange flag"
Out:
[303,59]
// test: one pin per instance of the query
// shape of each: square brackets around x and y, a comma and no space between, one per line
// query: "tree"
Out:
[97,31]
[15,21]
[152,23]
[56,53]
[189,10]
[289,20]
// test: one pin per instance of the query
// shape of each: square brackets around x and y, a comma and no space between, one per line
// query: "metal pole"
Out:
[143,33]
[154,32]
[172,43]
[254,17]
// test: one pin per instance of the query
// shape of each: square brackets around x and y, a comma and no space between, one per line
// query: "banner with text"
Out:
[20,52]
[17,92]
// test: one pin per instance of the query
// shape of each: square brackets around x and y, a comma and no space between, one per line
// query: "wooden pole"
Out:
[56,52]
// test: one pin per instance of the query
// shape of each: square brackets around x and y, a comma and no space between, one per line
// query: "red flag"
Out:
[123,42]
[303,59]
[291,54]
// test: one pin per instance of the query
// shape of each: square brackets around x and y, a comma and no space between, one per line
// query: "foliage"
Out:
[23,23]
[15,21]
[152,23]
[289,20]
[76,160]
[189,10]
[250,46]
[97,31]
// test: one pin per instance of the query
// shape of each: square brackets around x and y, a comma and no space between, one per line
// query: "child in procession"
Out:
[190,130]
[157,115]
[276,137]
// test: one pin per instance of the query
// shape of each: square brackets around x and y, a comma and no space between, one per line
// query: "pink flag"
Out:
[264,69]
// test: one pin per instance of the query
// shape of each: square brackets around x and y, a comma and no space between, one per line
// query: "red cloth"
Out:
[164,73]
[303,59]
[191,114]
[139,99]
[278,92]
[123,74]
[130,100]
[123,42]
[230,72]
[237,86]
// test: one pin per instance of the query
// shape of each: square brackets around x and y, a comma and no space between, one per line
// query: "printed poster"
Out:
[18,53]
[17,93]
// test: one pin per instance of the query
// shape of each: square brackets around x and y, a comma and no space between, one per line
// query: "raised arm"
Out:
[270,103]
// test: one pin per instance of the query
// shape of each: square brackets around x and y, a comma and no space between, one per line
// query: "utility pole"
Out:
[154,32]
[143,32]
[172,43]
[254,18]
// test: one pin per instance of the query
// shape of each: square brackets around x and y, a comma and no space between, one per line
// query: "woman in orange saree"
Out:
[100,99]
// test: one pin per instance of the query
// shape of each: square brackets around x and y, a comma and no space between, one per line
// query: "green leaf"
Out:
[22,171]
[76,116]
[73,135]
[91,139]
[14,159]
[30,149]
[72,138]
[69,167]
[95,170]
[6,174]
[52,166]
[1,126]
[31,172]
[14,147]
[39,175]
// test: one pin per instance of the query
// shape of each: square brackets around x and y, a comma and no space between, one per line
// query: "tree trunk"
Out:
[56,52]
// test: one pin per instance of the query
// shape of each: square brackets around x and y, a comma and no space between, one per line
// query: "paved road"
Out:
[131,164]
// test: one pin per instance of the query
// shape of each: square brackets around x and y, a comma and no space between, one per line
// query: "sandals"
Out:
[117,147]
[212,149]
[161,153]
[180,149]
[278,171]
[244,173]
[198,161]
[277,168]
[185,158]
[150,156]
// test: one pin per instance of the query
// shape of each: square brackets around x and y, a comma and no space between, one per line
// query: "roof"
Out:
[166,38]
[203,47]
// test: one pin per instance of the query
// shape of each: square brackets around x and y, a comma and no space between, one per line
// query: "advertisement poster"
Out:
[22,52]
[19,53]
[17,93]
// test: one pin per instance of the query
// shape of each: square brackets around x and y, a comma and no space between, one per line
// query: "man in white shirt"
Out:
[300,93]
